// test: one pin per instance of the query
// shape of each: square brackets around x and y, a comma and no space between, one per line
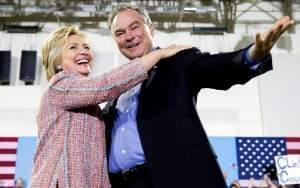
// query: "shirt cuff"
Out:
[253,64]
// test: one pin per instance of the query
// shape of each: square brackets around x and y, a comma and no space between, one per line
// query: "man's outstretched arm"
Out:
[265,41]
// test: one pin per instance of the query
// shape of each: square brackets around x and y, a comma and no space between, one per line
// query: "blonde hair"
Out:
[52,48]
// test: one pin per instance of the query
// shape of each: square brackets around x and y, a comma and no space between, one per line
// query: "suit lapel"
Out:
[152,74]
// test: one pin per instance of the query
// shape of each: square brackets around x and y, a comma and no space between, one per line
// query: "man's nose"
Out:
[129,36]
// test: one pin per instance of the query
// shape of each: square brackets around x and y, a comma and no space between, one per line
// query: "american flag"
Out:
[8,155]
[255,155]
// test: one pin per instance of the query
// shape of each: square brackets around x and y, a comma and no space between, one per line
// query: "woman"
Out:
[71,141]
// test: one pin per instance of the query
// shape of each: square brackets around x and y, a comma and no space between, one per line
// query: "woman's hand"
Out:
[172,50]
[150,59]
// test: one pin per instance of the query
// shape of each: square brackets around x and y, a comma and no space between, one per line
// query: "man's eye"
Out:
[119,34]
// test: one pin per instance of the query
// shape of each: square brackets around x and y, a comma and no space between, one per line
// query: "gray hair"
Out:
[140,10]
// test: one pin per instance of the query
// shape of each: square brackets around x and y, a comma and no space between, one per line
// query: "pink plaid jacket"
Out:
[71,141]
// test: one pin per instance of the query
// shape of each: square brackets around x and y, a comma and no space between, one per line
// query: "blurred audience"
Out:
[235,184]
[19,183]
[265,183]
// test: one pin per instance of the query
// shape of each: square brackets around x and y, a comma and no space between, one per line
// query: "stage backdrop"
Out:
[240,158]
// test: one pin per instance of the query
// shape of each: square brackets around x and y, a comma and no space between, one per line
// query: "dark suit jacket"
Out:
[176,147]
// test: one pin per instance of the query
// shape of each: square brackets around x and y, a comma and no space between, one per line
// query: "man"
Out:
[154,135]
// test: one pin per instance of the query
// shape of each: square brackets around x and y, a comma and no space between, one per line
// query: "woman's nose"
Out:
[83,50]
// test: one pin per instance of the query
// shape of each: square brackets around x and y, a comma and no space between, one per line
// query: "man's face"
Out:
[134,38]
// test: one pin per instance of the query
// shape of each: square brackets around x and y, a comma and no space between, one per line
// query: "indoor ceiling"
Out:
[222,15]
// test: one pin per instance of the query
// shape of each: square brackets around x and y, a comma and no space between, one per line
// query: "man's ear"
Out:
[152,29]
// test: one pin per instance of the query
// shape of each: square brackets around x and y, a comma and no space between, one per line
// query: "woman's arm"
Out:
[70,91]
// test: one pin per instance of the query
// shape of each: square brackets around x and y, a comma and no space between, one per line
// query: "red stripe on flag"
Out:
[293,145]
[293,152]
[8,151]
[7,163]
[292,139]
[6,176]
[8,139]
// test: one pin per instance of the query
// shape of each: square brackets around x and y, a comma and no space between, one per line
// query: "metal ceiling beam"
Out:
[225,15]
[288,11]
[155,17]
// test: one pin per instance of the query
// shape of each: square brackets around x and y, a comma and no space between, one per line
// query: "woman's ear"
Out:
[58,68]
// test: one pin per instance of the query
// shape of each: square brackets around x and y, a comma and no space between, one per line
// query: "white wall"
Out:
[266,106]
[279,96]
[18,108]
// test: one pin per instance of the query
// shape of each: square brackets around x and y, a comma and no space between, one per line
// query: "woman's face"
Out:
[77,55]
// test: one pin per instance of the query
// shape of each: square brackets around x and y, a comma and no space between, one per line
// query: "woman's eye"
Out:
[87,47]
[72,47]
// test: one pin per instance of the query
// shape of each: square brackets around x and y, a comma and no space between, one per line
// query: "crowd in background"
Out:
[265,183]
